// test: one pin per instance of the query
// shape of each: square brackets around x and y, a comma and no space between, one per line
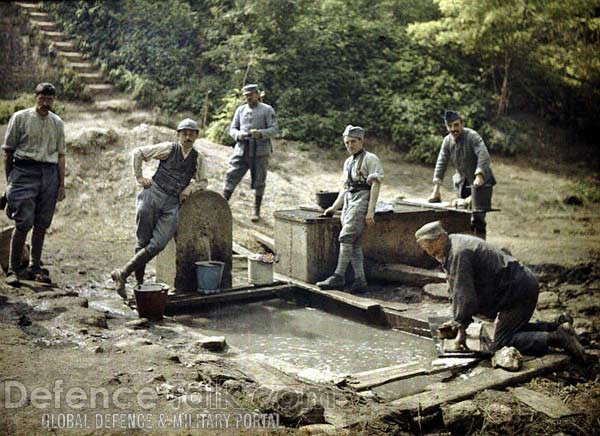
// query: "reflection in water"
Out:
[310,338]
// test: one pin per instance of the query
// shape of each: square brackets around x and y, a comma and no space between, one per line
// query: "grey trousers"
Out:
[239,165]
[31,195]
[156,219]
[512,324]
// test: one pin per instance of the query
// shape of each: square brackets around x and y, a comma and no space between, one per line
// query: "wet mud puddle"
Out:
[310,338]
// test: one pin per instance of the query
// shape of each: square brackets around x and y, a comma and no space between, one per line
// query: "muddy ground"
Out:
[82,335]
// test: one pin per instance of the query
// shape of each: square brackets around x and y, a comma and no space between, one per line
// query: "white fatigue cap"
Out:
[354,132]
[188,123]
[430,231]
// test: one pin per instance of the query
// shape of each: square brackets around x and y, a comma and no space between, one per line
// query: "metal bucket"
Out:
[208,276]
[481,198]
[151,300]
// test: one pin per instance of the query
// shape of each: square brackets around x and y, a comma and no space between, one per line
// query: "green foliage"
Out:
[9,107]
[589,189]
[218,131]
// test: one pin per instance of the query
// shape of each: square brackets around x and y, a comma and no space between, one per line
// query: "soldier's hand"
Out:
[144,182]
[329,211]
[60,196]
[256,134]
[370,218]
[242,136]
[479,180]
[461,339]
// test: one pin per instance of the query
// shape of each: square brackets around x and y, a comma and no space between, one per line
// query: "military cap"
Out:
[250,88]
[354,131]
[45,88]
[430,231]
[451,116]
[189,124]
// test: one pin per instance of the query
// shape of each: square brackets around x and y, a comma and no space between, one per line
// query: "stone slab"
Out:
[542,403]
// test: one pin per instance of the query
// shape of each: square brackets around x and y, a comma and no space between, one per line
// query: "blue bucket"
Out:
[208,275]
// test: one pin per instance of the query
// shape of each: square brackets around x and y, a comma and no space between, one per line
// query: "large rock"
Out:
[92,138]
[146,134]
[213,343]
[548,300]
[437,291]
[508,358]
[204,230]
[463,417]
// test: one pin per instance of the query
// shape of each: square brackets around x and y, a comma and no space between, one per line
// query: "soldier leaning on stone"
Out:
[34,165]
[362,177]
[181,171]
[252,127]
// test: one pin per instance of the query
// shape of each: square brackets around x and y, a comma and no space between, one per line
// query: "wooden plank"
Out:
[265,240]
[429,401]
[542,403]
[240,249]
[406,273]
[371,379]
[195,303]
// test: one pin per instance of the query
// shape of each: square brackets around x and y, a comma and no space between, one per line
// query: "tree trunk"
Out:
[505,90]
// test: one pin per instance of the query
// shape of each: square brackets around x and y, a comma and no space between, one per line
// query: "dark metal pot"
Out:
[326,198]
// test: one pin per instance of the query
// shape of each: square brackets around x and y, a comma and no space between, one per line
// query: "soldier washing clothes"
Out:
[252,127]
[362,177]
[34,165]
[180,172]
[486,281]
[469,155]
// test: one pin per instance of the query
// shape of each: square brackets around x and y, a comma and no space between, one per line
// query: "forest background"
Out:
[390,65]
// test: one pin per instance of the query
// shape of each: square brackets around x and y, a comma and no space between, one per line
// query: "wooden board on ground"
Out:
[542,403]
[370,379]
[190,303]
[429,401]
[265,240]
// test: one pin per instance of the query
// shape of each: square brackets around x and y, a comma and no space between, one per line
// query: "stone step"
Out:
[66,46]
[91,77]
[29,6]
[99,88]
[55,36]
[73,56]
[40,16]
[49,26]
[82,67]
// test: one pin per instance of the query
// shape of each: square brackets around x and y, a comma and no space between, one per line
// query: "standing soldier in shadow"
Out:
[252,127]
[34,165]
[179,173]
[469,155]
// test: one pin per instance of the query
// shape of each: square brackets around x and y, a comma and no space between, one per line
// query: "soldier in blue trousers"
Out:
[179,172]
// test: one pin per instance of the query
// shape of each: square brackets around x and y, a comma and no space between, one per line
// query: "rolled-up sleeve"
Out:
[374,169]
[11,139]
[442,162]
[157,151]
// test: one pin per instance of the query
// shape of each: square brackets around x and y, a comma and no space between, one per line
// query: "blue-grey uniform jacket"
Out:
[482,279]
[261,117]
[469,155]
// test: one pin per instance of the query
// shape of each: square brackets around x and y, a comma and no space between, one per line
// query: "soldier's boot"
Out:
[17,246]
[358,285]
[333,282]
[119,276]
[227,194]
[37,244]
[562,338]
[257,202]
